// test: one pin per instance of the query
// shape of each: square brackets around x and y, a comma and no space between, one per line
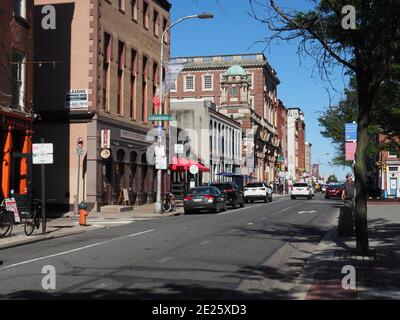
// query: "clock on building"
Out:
[234,92]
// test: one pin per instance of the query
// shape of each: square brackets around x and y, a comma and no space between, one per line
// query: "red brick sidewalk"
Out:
[377,277]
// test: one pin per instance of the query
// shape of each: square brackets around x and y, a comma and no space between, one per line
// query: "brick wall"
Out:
[120,25]
[16,34]
[302,148]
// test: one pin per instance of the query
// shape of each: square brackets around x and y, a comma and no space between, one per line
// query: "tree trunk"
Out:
[360,170]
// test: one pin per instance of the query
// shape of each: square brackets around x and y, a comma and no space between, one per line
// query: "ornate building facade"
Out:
[244,88]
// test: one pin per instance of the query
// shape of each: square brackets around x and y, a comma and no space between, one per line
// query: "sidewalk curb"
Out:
[322,253]
[52,237]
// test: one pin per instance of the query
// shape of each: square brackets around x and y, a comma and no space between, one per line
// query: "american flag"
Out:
[156,101]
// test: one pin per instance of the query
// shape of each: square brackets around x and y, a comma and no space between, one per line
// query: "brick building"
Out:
[282,124]
[389,169]
[244,87]
[296,145]
[103,87]
[16,95]
[308,160]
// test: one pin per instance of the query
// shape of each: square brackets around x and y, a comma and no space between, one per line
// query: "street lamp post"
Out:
[158,206]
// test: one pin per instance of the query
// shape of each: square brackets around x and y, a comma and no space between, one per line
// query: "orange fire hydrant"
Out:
[83,214]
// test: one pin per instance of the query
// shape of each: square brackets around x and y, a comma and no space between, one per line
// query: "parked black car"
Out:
[234,195]
[204,198]
[374,192]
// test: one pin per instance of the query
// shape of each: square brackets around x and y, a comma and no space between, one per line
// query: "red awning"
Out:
[183,164]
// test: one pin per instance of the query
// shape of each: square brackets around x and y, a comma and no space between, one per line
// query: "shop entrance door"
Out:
[393,187]
[21,180]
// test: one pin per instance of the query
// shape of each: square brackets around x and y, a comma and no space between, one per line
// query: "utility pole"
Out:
[43,192]
[158,205]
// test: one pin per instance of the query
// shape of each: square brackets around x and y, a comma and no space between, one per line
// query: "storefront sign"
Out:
[105,154]
[105,139]
[194,169]
[11,205]
[77,99]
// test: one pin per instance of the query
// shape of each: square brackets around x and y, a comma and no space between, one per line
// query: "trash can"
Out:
[346,221]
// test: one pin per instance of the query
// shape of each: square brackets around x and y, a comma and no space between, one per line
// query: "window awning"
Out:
[183,164]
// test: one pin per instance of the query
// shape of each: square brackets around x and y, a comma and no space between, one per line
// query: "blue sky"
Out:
[234,31]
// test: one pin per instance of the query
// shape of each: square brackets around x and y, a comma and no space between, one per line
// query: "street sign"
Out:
[161,163]
[159,151]
[80,151]
[42,153]
[160,117]
[80,142]
[281,159]
[42,148]
[105,139]
[351,132]
[46,158]
[194,169]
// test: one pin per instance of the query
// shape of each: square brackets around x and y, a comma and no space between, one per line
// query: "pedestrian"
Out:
[348,194]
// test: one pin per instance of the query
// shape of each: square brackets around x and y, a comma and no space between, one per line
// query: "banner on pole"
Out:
[172,71]
[351,148]
[351,132]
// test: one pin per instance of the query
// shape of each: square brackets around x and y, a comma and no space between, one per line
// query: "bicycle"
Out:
[6,221]
[32,221]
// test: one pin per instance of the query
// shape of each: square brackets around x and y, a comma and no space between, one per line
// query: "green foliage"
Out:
[385,118]
[332,179]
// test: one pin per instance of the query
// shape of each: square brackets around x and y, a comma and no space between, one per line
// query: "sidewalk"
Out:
[377,276]
[68,225]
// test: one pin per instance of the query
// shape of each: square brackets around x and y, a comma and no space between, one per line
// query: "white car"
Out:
[300,189]
[257,191]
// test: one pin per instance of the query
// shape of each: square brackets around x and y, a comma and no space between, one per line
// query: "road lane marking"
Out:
[301,212]
[205,242]
[165,260]
[239,210]
[250,224]
[75,250]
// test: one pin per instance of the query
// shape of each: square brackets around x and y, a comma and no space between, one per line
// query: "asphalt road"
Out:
[252,253]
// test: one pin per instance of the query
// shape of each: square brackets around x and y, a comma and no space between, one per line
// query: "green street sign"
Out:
[281,159]
[160,117]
